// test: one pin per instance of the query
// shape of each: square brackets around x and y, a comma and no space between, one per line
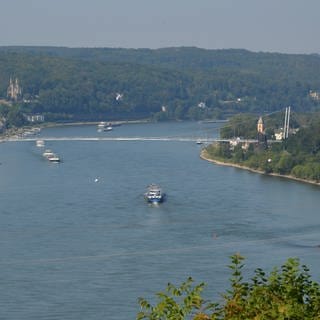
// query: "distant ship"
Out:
[51,156]
[108,128]
[101,125]
[54,158]
[47,153]
[154,194]
[40,143]
[104,126]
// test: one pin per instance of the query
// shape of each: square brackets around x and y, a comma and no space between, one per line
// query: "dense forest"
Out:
[163,84]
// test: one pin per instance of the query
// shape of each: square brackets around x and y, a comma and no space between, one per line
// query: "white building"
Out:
[278,135]
[35,118]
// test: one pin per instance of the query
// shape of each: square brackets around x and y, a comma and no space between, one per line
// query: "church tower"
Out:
[261,137]
[14,90]
[260,126]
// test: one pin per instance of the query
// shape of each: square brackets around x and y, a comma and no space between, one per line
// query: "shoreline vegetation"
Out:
[205,156]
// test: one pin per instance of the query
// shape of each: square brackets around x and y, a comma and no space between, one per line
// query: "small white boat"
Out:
[154,194]
[36,130]
[104,126]
[27,133]
[54,158]
[48,153]
[51,156]
[40,143]
[108,128]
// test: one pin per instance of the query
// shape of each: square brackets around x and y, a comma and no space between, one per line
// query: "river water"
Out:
[78,241]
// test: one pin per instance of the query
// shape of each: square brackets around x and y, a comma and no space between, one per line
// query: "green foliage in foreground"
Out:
[286,293]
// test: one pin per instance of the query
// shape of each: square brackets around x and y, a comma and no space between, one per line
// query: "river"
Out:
[78,241]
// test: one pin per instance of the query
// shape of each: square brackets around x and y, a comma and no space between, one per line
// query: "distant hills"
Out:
[169,83]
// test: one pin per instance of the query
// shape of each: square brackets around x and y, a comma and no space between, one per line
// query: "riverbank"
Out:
[205,156]
[20,132]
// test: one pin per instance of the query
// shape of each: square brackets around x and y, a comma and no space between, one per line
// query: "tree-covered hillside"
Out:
[191,83]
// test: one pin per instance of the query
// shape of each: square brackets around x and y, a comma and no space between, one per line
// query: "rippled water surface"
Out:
[78,241]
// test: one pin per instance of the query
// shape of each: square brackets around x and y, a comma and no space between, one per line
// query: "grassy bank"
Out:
[222,162]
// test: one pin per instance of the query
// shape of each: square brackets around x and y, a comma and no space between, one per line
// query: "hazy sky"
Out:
[288,26]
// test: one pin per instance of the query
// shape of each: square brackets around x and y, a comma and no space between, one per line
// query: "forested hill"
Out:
[182,57]
[191,83]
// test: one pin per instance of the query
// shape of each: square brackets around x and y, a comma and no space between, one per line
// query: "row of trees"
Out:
[85,83]
[286,293]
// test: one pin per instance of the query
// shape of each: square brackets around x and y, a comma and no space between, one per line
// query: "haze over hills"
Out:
[169,83]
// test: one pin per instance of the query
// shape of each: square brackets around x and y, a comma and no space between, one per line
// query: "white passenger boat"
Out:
[154,194]
[47,153]
[104,126]
[40,143]
[54,158]
[51,156]
[108,128]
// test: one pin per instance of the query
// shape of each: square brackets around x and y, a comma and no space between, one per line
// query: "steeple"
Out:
[260,126]
[14,90]
[262,138]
